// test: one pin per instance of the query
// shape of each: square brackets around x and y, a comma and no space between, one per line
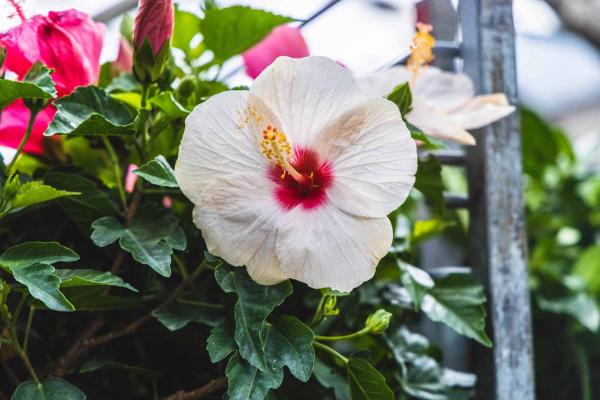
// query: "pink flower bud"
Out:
[124,61]
[282,41]
[153,22]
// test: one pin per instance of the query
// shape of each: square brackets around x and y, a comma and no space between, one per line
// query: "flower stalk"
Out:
[32,116]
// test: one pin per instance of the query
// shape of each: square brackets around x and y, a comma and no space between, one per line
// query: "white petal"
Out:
[482,110]
[238,217]
[373,158]
[7,154]
[306,94]
[382,83]
[437,123]
[219,140]
[329,248]
[444,90]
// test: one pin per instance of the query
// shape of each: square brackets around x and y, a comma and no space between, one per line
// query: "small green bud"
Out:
[378,321]
[329,306]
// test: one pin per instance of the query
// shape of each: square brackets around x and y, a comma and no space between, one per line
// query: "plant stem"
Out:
[331,351]
[360,333]
[184,274]
[15,339]
[28,328]
[318,315]
[144,101]
[32,115]
[117,169]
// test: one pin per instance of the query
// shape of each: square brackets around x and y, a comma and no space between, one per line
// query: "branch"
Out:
[200,392]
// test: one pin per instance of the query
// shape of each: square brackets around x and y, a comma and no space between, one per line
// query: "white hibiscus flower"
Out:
[309,204]
[444,103]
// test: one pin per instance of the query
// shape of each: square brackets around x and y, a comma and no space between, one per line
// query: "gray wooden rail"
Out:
[497,249]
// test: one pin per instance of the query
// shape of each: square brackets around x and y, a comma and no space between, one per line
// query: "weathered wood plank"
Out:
[498,240]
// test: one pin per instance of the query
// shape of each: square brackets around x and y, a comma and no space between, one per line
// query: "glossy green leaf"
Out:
[90,277]
[232,30]
[43,285]
[50,389]
[35,192]
[416,281]
[94,298]
[366,383]
[458,301]
[580,306]
[187,26]
[255,303]
[402,97]
[145,238]
[289,342]
[166,103]
[428,180]
[221,342]
[246,382]
[91,111]
[37,84]
[158,172]
[179,314]
[29,253]
[331,379]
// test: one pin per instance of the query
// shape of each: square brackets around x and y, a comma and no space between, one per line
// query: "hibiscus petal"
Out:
[444,90]
[383,82]
[482,110]
[329,248]
[13,124]
[306,94]
[373,158]
[238,216]
[437,123]
[219,140]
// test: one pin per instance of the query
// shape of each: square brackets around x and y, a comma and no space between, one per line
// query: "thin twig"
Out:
[200,392]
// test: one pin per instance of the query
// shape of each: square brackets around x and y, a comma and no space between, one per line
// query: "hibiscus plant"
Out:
[166,236]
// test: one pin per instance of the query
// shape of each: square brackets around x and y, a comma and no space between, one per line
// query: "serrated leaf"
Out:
[29,253]
[246,382]
[402,97]
[329,378]
[91,111]
[179,314]
[289,342]
[145,238]
[50,389]
[35,192]
[255,303]
[166,103]
[230,31]
[43,285]
[158,172]
[366,383]
[37,84]
[458,301]
[428,180]
[416,281]
[221,342]
[90,277]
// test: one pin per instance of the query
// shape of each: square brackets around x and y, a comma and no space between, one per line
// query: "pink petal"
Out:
[154,22]
[124,61]
[13,124]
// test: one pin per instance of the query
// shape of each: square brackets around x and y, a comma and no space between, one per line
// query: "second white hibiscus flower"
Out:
[295,178]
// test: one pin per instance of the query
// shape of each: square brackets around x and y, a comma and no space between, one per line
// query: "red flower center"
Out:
[309,192]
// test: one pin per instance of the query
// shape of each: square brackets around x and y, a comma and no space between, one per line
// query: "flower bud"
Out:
[152,39]
[330,306]
[378,321]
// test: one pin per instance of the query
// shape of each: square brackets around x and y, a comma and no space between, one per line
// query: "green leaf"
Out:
[94,298]
[187,26]
[416,281]
[43,285]
[232,30]
[458,301]
[221,342]
[289,342]
[37,84]
[158,172]
[145,238]
[166,103]
[255,302]
[246,382]
[428,180]
[90,277]
[426,229]
[178,315]
[329,378]
[29,253]
[366,383]
[402,97]
[50,389]
[36,192]
[580,306]
[91,111]
[177,238]
[588,267]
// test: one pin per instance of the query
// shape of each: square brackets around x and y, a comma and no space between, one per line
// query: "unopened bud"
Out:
[378,321]
[330,306]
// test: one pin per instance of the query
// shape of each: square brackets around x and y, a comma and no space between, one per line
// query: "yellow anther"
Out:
[421,49]
[275,146]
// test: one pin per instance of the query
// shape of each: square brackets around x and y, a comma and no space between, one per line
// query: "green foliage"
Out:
[402,97]
[37,84]
[177,316]
[50,389]
[366,383]
[232,30]
[428,180]
[158,172]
